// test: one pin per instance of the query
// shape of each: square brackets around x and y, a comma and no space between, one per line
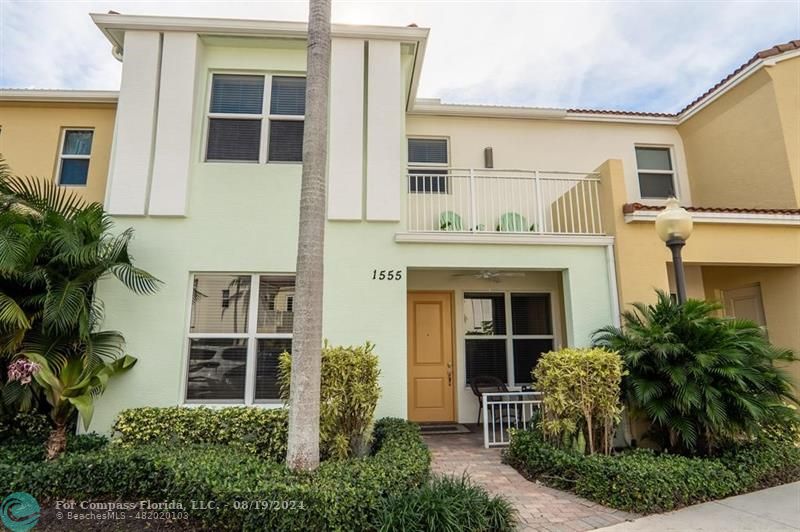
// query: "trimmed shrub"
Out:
[26,449]
[581,389]
[349,393]
[339,495]
[645,482]
[31,427]
[446,504]
[258,431]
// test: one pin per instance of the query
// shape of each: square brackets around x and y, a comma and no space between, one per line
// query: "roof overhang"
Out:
[115,25]
[434,106]
[58,96]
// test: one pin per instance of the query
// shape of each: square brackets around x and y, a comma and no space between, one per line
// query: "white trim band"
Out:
[452,237]
[723,218]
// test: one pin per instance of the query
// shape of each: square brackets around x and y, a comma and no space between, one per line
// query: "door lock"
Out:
[449,373]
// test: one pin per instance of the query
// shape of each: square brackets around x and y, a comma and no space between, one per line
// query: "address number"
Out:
[387,275]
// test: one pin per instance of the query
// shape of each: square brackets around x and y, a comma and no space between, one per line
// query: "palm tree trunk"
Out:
[303,446]
[57,441]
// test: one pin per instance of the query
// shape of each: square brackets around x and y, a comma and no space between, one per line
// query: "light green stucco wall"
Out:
[243,218]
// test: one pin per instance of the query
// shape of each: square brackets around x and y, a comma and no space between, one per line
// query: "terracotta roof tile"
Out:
[763,54]
[626,113]
[629,208]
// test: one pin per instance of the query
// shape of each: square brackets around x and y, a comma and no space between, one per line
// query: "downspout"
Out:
[611,264]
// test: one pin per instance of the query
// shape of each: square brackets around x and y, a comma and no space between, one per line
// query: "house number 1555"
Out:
[387,275]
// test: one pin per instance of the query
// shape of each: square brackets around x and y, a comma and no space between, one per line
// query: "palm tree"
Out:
[304,402]
[54,248]
[700,380]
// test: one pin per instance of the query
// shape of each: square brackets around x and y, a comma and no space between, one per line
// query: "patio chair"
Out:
[512,222]
[486,384]
[450,221]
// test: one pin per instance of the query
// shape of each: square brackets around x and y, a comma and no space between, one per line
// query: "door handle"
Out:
[449,373]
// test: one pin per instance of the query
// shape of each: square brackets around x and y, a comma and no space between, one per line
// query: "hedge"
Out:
[339,495]
[642,481]
[258,431]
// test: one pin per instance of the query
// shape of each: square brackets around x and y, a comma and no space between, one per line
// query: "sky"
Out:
[625,55]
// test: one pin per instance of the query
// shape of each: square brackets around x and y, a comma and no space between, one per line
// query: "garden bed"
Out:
[643,481]
[245,488]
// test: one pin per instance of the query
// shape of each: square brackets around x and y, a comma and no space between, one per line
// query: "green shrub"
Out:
[349,393]
[764,463]
[32,427]
[700,380]
[645,482]
[26,449]
[581,389]
[258,431]
[446,504]
[339,495]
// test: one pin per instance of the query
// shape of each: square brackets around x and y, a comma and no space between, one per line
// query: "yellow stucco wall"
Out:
[717,257]
[31,135]
[780,293]
[786,82]
[747,140]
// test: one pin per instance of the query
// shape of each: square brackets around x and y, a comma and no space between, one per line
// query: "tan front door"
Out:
[431,373]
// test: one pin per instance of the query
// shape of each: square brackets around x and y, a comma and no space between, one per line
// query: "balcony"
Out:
[493,201]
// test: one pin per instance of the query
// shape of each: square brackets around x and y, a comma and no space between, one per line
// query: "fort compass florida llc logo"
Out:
[19,512]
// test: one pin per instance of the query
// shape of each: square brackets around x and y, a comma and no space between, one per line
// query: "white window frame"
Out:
[265,116]
[252,336]
[425,166]
[673,172]
[509,337]
[62,156]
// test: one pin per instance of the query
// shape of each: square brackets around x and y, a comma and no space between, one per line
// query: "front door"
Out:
[430,357]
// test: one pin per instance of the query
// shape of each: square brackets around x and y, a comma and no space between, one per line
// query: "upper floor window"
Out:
[73,161]
[427,165]
[240,324]
[656,175]
[250,124]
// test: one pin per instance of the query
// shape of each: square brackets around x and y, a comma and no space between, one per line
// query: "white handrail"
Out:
[496,428]
[490,200]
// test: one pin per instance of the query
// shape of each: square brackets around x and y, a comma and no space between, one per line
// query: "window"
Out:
[506,349]
[240,324]
[427,165]
[656,175]
[73,162]
[241,113]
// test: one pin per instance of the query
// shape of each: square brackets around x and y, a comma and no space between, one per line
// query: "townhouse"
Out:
[462,240]
[60,136]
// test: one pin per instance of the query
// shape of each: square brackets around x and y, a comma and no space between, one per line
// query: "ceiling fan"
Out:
[490,275]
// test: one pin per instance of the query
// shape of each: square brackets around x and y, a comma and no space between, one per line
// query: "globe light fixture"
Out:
[674,226]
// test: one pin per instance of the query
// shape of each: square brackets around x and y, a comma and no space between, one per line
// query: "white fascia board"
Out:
[740,218]
[452,237]
[58,96]
[429,107]
[114,26]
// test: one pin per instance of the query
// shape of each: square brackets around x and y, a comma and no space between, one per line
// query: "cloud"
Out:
[650,56]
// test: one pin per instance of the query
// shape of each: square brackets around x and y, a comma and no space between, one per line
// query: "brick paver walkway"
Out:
[540,508]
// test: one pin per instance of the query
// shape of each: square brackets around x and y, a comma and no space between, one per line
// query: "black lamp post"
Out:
[674,226]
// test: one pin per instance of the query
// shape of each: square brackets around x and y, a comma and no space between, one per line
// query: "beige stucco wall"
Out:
[31,135]
[747,140]
[551,145]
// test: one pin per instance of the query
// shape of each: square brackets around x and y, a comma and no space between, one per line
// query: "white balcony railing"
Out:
[503,411]
[504,201]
